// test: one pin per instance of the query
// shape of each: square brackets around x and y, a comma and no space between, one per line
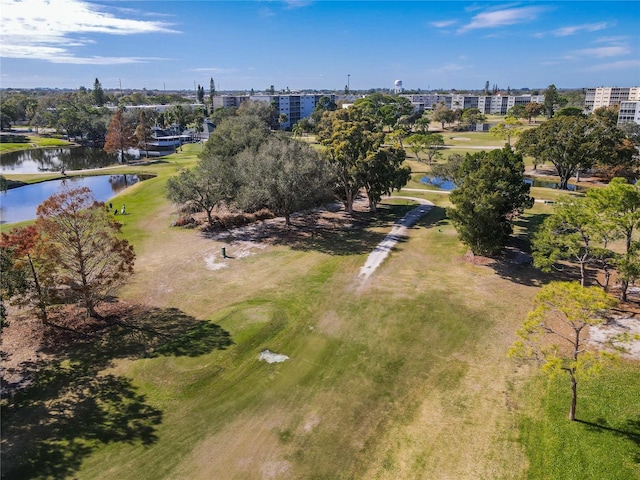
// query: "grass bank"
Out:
[16,142]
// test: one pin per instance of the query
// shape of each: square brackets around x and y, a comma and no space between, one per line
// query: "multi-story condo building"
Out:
[228,101]
[487,104]
[629,112]
[606,96]
[295,106]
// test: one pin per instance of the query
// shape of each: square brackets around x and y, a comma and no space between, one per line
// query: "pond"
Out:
[438,182]
[19,204]
[53,159]
[448,185]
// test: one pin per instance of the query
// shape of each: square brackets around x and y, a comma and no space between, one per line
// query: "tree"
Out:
[383,110]
[212,91]
[143,132]
[443,115]
[234,134]
[120,135]
[533,109]
[555,333]
[473,116]
[28,273]
[382,173]
[200,93]
[285,176]
[98,93]
[608,114]
[507,129]
[571,233]
[431,142]
[570,112]
[517,111]
[572,143]
[8,114]
[211,183]
[283,118]
[82,237]
[553,100]
[348,138]
[422,123]
[490,194]
[617,207]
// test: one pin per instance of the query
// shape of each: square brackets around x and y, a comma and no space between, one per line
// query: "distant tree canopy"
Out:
[353,142]
[245,166]
[383,110]
[572,143]
[490,194]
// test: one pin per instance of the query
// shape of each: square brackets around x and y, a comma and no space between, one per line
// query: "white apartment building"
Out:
[606,96]
[295,106]
[487,104]
[629,112]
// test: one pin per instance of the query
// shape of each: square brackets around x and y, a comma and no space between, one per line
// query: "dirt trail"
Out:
[400,229]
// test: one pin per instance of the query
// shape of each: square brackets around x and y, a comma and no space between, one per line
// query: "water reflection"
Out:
[19,204]
[54,159]
[448,185]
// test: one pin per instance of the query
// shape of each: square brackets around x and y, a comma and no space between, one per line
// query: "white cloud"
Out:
[50,30]
[213,70]
[621,65]
[500,18]
[443,23]
[573,29]
[298,3]
[604,52]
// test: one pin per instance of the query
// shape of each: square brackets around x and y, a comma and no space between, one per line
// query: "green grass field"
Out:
[15,142]
[405,376]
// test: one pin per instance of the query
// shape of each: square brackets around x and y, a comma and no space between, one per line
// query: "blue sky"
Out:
[319,44]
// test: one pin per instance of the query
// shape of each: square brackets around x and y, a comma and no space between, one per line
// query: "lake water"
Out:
[443,184]
[19,204]
[53,159]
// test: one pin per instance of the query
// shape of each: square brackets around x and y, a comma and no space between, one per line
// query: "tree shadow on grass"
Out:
[71,407]
[349,235]
[160,332]
[631,431]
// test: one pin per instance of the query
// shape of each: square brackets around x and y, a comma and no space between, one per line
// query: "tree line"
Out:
[246,166]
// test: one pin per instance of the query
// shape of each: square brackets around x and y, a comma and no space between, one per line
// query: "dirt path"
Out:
[377,256]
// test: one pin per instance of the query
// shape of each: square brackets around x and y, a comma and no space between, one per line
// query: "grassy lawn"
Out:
[404,376]
[603,443]
[10,143]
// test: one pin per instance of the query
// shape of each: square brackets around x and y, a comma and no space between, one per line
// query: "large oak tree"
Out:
[573,143]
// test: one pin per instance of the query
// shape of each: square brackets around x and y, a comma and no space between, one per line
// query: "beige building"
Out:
[606,96]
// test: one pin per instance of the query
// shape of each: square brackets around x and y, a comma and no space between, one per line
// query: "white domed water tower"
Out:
[397,86]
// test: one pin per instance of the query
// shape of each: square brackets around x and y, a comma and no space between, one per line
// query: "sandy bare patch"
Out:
[234,250]
[272,357]
[600,335]
[463,139]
